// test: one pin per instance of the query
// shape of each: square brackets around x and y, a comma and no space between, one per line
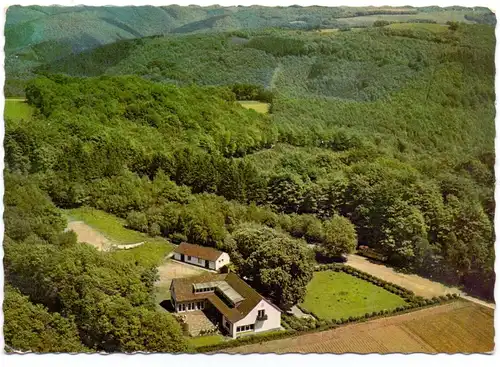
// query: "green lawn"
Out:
[17,109]
[201,341]
[260,107]
[151,253]
[335,295]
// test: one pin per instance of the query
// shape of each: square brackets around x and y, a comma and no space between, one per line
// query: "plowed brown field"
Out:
[457,327]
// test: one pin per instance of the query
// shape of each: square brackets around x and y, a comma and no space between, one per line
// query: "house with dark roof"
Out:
[206,257]
[236,307]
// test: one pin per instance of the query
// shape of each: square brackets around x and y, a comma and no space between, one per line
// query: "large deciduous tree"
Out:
[276,265]
[339,237]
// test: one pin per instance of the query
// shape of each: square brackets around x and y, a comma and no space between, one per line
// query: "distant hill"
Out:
[85,27]
[38,35]
[360,65]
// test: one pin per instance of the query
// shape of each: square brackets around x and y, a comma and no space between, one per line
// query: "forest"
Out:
[381,137]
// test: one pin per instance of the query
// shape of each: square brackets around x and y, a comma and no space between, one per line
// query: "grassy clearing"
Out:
[335,295]
[201,341]
[17,109]
[109,225]
[260,107]
[430,27]
[152,252]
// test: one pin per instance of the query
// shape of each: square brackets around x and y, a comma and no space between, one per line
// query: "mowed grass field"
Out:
[336,295]
[456,327]
[17,109]
[258,106]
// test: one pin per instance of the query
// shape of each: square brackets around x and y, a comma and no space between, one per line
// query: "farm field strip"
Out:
[456,327]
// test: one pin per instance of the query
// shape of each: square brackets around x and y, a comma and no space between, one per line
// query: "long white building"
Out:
[205,257]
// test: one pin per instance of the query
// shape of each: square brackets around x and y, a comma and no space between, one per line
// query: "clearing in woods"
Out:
[336,295]
[257,106]
[456,327]
[438,17]
[105,231]
[17,109]
[108,225]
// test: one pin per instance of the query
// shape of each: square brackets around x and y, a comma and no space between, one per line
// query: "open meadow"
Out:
[257,106]
[17,109]
[336,295]
[456,327]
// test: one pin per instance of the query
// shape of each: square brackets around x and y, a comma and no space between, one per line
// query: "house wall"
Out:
[195,305]
[273,321]
[195,261]
[226,324]
[221,261]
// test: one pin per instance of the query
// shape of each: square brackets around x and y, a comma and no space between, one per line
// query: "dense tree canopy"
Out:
[272,262]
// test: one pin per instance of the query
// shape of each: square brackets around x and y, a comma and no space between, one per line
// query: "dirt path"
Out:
[87,234]
[421,286]
[297,312]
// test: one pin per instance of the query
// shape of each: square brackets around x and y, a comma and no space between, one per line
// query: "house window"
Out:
[261,314]
[183,307]
[189,258]
[245,328]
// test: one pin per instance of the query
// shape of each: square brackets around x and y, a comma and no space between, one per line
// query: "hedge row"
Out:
[297,326]
[246,340]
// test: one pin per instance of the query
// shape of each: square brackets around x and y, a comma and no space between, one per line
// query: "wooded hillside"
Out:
[382,137]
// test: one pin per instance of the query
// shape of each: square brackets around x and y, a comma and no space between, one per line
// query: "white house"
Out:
[237,307]
[206,257]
